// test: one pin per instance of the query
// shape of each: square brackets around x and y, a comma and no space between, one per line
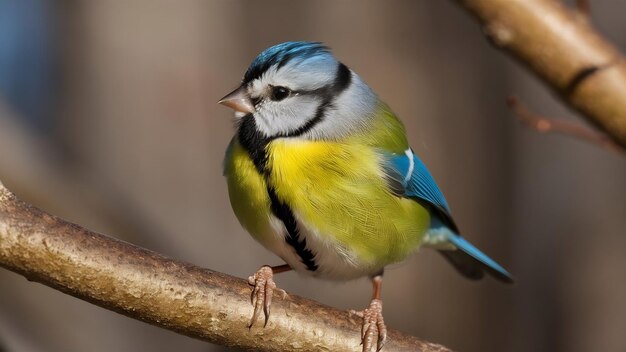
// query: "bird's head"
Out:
[299,89]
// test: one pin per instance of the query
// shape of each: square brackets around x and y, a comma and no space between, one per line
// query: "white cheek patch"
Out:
[283,117]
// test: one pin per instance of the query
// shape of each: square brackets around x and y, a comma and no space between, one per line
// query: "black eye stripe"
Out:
[328,94]
[279,93]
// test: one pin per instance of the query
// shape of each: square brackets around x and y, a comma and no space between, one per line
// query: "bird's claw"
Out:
[373,325]
[261,298]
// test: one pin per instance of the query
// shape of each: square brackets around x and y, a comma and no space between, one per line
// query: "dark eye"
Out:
[279,93]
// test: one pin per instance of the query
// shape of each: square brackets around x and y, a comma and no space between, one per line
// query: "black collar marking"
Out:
[256,143]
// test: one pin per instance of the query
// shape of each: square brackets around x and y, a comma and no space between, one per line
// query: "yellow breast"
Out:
[339,189]
[338,193]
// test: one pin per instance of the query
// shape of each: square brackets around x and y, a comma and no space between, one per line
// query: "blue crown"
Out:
[279,55]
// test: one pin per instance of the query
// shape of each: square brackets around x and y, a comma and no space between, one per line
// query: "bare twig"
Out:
[583,7]
[144,285]
[544,125]
[584,69]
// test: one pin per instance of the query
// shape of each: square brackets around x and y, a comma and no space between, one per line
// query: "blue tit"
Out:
[320,173]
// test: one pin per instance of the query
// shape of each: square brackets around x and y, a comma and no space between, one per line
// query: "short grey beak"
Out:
[238,100]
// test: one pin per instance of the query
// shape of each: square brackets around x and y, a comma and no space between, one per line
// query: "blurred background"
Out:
[108,118]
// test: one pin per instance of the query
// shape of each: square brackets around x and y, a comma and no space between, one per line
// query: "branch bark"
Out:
[562,48]
[181,297]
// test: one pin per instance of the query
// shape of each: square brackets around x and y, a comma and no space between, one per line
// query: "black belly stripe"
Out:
[255,144]
[284,213]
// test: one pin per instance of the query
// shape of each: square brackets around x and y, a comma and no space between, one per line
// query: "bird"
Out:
[320,172]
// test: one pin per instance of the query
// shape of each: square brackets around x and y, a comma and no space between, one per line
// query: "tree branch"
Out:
[181,297]
[576,130]
[565,52]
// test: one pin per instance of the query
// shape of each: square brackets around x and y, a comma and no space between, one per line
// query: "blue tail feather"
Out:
[489,264]
[466,258]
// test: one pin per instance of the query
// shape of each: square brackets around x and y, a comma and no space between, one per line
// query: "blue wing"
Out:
[410,178]
[417,181]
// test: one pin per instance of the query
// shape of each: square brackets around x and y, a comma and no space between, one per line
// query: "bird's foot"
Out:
[373,326]
[264,286]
